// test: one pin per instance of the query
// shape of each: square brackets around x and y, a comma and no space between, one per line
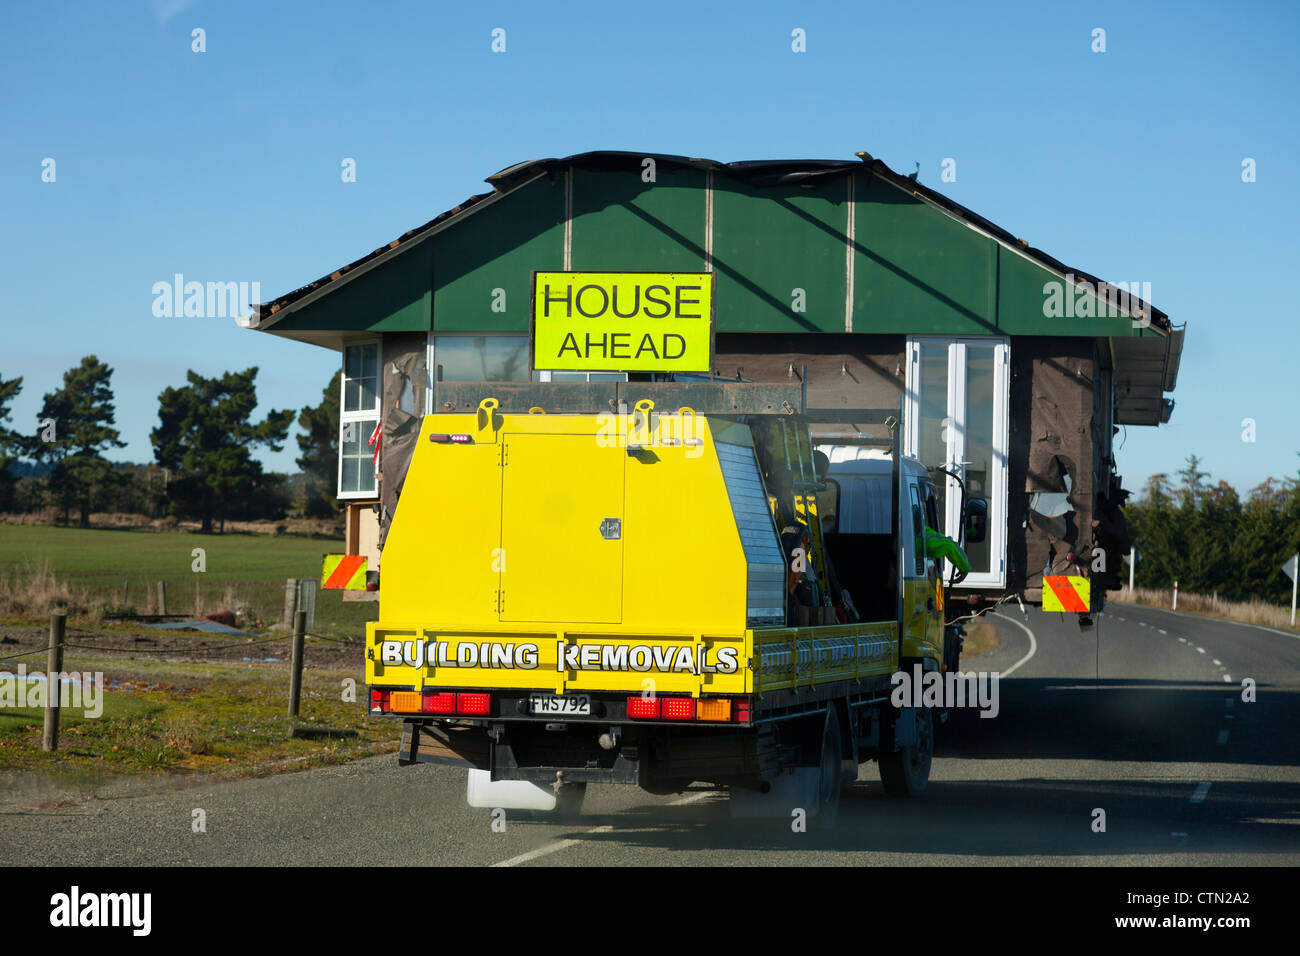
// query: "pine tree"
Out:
[319,445]
[206,435]
[75,429]
[10,442]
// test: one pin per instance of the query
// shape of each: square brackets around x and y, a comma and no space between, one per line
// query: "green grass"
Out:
[252,568]
[186,718]
[116,706]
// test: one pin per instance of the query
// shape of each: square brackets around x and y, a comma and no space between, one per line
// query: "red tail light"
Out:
[439,438]
[678,708]
[378,701]
[740,710]
[442,703]
[643,708]
[473,703]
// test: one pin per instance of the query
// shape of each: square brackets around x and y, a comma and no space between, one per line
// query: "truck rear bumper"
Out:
[647,756]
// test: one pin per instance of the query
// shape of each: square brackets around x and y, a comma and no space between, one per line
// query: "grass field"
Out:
[167,718]
[93,570]
[115,706]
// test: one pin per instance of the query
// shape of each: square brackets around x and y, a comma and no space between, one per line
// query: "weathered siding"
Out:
[1051,435]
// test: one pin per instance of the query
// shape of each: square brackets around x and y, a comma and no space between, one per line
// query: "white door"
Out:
[956,419]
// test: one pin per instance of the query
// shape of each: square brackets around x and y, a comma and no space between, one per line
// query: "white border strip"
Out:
[848,260]
[568,219]
[708,220]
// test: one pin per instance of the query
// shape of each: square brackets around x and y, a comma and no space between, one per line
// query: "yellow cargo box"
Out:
[628,551]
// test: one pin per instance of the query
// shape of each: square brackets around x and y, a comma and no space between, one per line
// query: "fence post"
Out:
[290,601]
[1175,607]
[162,598]
[53,665]
[295,667]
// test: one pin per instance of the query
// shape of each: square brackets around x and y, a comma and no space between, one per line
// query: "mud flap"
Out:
[792,788]
[904,729]
[482,791]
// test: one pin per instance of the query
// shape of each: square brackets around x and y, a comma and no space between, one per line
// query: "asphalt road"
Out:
[1141,717]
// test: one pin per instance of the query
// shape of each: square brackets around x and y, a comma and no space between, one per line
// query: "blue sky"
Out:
[225,164]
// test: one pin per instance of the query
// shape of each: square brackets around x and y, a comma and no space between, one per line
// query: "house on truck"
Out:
[866,289]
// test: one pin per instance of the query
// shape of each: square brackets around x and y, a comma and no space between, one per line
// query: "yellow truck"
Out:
[651,597]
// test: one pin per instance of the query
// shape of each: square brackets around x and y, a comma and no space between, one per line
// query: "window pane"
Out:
[979,439]
[350,471]
[368,394]
[933,401]
[353,438]
[481,358]
[357,456]
[360,377]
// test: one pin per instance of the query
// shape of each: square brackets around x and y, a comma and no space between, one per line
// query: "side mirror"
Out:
[976,520]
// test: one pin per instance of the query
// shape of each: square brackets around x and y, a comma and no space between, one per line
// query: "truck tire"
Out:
[829,773]
[568,802]
[906,771]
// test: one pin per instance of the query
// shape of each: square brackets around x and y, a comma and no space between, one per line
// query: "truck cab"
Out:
[857,520]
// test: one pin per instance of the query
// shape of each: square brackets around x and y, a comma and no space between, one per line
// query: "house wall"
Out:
[404,374]
[1053,432]
[853,260]
[853,371]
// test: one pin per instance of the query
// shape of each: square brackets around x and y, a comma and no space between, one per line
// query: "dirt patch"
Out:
[170,645]
[981,638]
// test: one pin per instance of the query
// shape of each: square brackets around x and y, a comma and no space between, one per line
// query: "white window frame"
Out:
[546,376]
[956,408]
[360,416]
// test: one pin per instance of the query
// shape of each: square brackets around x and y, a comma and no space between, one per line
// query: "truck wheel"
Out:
[568,802]
[906,771]
[828,777]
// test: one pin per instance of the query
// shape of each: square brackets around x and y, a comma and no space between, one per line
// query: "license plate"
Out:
[556,704]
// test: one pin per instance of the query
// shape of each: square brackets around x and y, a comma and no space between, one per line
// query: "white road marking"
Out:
[1033,646]
[562,844]
[1221,620]
[1200,650]
[1227,678]
[1162,630]
[1202,789]
[1217,662]
[1223,737]
[1182,640]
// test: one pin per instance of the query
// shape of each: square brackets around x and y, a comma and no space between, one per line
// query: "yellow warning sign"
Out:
[623,321]
[1067,593]
[344,572]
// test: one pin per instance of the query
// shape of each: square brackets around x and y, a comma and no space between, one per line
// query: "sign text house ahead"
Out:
[623,321]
